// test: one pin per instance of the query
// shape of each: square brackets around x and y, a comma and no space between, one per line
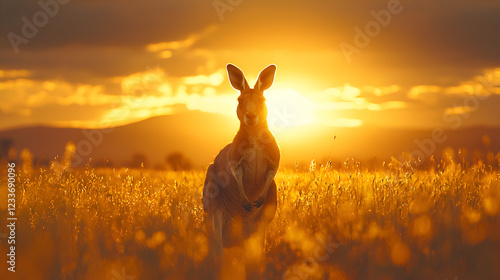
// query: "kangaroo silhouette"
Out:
[239,194]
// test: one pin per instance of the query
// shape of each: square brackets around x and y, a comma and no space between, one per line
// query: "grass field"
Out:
[393,222]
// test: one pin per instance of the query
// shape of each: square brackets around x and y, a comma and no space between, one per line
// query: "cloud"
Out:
[455,41]
[382,91]
[484,85]
[21,96]
[425,93]
[153,81]
[214,79]
[349,97]
[174,45]
[134,108]
[92,54]
[109,22]
[14,73]
[458,110]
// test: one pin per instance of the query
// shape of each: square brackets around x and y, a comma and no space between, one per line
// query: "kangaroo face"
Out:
[252,109]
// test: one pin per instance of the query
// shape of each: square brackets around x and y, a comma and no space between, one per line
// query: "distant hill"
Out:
[199,136]
[191,134]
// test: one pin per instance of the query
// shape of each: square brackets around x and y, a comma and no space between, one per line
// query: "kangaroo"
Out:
[239,194]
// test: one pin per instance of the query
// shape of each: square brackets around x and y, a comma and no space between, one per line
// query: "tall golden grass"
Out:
[395,222]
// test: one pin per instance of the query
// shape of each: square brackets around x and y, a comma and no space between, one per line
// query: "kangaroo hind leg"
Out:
[217,223]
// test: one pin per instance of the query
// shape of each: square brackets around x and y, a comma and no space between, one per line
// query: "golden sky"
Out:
[411,64]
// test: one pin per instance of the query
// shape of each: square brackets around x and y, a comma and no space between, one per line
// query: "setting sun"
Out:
[288,108]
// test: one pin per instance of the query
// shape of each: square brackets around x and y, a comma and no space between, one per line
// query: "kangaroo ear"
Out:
[266,78]
[236,78]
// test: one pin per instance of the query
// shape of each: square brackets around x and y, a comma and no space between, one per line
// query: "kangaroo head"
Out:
[252,110]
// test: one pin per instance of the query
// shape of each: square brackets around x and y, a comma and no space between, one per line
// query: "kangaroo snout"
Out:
[251,115]
[251,118]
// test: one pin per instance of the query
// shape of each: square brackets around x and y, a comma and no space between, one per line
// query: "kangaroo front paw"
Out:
[258,203]
[247,205]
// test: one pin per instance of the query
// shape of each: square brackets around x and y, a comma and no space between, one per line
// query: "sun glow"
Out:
[289,108]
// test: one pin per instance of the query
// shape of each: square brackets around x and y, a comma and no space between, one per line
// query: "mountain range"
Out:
[198,137]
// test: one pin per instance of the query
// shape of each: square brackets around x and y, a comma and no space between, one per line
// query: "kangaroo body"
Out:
[239,194]
[255,156]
